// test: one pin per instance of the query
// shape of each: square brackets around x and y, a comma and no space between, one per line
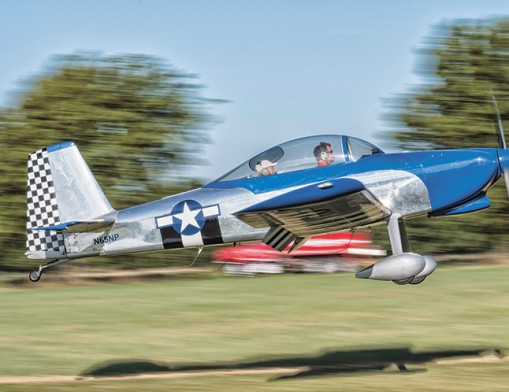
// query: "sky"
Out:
[288,69]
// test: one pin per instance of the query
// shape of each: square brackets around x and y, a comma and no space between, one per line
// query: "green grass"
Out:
[351,333]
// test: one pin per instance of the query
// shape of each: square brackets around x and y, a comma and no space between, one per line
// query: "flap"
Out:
[318,209]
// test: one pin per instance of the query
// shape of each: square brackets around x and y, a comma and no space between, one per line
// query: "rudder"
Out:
[61,190]
[42,209]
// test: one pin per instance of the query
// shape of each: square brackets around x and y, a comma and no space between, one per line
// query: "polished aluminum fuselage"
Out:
[407,184]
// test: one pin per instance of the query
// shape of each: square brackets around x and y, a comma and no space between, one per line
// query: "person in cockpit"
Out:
[324,154]
[265,168]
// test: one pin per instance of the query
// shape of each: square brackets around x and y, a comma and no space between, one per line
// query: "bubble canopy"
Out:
[303,153]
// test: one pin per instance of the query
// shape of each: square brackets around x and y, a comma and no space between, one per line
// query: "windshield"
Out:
[358,148]
[295,155]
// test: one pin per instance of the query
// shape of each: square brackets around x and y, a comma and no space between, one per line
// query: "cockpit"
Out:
[303,153]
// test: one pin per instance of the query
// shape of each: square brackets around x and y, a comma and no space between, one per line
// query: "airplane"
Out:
[306,187]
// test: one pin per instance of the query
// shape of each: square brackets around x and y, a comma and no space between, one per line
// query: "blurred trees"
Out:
[136,119]
[461,63]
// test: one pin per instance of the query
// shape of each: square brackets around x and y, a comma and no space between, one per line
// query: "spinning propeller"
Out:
[503,154]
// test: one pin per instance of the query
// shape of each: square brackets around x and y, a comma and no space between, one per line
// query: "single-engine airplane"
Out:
[284,195]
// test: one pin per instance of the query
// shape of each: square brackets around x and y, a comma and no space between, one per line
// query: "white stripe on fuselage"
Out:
[192,240]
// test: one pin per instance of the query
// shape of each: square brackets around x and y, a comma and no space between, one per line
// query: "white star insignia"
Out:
[188,217]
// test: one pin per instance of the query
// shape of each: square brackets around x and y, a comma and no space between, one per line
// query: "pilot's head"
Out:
[265,168]
[324,154]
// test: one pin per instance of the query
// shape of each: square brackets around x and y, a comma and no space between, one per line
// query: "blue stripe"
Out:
[344,143]
[451,177]
[310,194]
[259,185]
[475,205]
[60,146]
[60,227]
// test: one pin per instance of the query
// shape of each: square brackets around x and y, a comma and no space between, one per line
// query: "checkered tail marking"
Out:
[42,209]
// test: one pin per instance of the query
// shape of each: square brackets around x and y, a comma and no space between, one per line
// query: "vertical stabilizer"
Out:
[61,190]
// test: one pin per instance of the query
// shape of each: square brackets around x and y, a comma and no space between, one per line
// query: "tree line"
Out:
[139,122]
[461,64]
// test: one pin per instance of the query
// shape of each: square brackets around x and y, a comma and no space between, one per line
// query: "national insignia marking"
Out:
[188,217]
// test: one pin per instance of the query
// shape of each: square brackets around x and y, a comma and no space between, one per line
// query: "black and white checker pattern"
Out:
[42,209]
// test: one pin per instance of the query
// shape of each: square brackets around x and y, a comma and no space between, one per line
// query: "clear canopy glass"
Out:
[304,153]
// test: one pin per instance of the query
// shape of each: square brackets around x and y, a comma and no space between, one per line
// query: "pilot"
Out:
[324,154]
[265,168]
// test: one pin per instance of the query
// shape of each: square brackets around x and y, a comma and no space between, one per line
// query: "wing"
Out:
[316,209]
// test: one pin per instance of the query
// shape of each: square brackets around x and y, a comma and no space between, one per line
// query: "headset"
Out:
[320,152]
[264,172]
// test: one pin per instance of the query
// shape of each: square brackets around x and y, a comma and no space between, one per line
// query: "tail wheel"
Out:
[35,276]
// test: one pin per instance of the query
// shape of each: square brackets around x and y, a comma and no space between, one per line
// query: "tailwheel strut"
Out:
[35,276]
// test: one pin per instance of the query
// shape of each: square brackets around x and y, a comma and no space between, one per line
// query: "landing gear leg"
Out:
[398,236]
[35,276]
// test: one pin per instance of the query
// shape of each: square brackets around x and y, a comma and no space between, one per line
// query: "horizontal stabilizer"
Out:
[80,227]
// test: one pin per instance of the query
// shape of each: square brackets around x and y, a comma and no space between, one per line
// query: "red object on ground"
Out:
[344,243]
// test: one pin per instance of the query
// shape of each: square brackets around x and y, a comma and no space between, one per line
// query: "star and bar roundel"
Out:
[190,224]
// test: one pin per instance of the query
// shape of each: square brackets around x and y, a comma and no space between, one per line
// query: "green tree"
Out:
[136,119]
[460,64]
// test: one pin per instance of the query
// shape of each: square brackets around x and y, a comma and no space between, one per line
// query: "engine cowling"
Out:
[401,269]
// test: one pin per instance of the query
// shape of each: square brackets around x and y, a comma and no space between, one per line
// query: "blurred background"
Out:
[163,96]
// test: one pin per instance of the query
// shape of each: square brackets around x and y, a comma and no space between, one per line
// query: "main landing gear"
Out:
[35,276]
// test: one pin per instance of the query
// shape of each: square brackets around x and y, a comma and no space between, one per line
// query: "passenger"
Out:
[324,154]
[265,168]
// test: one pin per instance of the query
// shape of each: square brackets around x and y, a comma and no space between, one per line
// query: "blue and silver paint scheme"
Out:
[358,186]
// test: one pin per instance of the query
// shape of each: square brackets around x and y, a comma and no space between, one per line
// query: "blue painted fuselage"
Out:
[452,178]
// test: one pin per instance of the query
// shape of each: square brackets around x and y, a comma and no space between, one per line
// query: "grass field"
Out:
[298,332]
